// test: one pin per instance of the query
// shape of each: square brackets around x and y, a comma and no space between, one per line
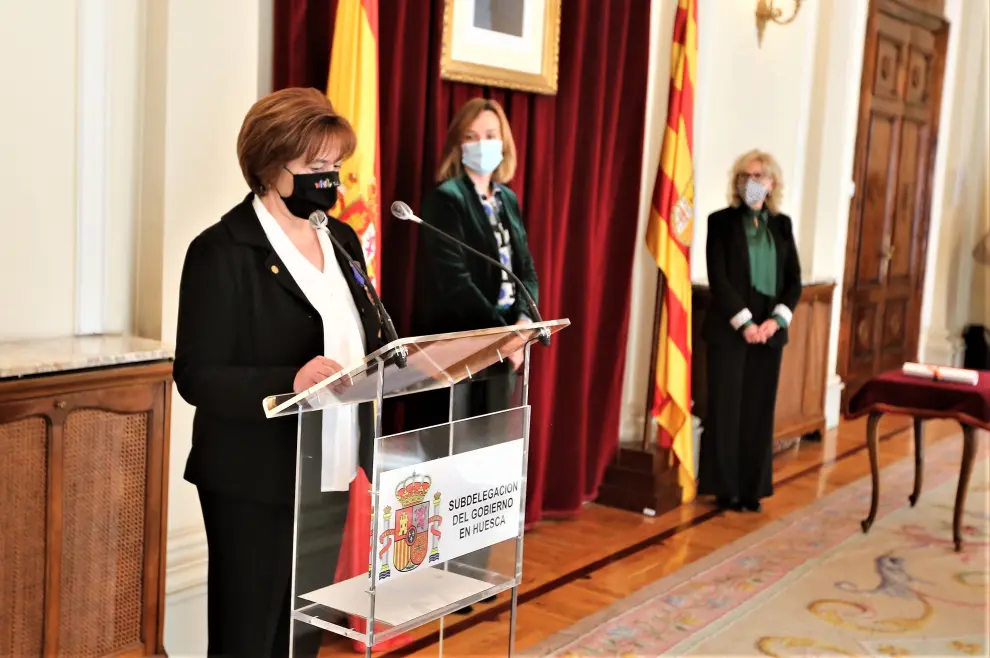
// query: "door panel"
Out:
[864,321]
[875,206]
[902,231]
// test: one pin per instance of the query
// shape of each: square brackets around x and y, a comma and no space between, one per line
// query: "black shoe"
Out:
[726,503]
[752,505]
[469,609]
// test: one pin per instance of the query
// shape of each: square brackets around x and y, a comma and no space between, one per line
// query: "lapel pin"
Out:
[274,269]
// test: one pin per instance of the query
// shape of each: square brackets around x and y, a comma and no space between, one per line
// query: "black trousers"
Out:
[250,567]
[737,442]
[487,394]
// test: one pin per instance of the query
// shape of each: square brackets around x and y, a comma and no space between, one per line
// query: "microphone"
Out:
[401,210]
[319,220]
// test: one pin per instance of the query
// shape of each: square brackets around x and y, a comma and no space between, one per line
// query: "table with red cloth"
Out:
[896,393]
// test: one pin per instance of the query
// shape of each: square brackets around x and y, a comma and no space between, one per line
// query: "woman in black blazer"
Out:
[258,315]
[755,280]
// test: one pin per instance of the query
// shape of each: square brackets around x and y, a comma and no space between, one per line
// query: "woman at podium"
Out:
[755,281]
[267,306]
[456,290]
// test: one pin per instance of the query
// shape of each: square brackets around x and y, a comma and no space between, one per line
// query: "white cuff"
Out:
[740,318]
[783,312]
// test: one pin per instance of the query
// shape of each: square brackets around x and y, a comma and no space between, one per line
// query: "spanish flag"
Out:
[353,89]
[668,238]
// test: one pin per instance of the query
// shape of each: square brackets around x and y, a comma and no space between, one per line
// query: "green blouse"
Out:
[762,254]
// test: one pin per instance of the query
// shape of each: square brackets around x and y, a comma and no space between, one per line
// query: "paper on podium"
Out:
[401,600]
[941,373]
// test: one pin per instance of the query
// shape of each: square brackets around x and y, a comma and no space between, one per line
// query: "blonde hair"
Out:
[450,161]
[770,168]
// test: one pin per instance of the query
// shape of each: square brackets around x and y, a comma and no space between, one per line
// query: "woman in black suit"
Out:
[458,291]
[268,306]
[755,280]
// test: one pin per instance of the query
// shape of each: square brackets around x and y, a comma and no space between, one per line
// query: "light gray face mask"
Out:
[755,192]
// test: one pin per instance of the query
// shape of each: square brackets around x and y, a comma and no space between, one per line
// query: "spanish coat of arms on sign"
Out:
[416,533]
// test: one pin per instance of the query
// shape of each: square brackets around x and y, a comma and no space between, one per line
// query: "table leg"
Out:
[871,445]
[919,459]
[969,451]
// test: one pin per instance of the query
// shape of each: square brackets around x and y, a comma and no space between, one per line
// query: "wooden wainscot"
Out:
[84,426]
[645,480]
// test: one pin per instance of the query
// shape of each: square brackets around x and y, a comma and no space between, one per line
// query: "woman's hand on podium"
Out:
[516,360]
[315,372]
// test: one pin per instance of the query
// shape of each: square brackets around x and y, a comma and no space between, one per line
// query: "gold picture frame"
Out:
[528,57]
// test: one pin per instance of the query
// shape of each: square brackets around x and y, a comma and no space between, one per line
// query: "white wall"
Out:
[644,284]
[980,309]
[959,186]
[142,101]
[829,159]
[124,97]
[206,99]
[69,145]
[750,97]
[37,166]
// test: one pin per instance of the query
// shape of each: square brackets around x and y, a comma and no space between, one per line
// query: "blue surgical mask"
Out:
[483,156]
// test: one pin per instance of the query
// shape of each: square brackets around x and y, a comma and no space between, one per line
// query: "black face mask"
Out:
[312,192]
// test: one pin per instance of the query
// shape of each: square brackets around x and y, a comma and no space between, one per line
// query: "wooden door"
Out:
[888,221]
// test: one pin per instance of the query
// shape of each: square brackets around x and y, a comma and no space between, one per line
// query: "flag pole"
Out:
[649,427]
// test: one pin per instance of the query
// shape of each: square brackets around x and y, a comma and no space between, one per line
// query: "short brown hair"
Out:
[285,125]
[450,161]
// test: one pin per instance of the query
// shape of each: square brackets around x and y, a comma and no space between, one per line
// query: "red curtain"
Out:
[580,159]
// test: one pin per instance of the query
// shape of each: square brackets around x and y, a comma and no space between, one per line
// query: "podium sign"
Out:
[448,501]
[449,507]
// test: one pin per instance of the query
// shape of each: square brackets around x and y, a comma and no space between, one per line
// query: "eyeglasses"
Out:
[757,177]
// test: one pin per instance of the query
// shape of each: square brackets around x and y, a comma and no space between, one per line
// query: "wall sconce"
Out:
[766,13]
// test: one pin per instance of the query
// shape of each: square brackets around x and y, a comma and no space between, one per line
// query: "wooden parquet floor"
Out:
[575,568]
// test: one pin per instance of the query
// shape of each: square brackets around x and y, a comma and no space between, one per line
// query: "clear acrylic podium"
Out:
[448,501]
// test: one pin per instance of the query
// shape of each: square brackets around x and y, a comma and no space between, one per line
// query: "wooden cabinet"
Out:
[803,372]
[83,491]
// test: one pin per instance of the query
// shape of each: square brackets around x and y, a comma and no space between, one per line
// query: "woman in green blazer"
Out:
[457,290]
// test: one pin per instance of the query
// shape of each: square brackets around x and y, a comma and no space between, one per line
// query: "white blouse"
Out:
[343,341]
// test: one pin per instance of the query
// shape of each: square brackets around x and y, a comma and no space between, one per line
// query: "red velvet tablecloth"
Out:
[896,393]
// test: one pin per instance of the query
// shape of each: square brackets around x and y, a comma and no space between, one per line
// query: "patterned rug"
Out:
[813,584]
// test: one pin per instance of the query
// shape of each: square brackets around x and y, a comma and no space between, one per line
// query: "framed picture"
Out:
[502,43]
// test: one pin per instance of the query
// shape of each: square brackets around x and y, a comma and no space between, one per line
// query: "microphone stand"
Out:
[319,221]
[404,212]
